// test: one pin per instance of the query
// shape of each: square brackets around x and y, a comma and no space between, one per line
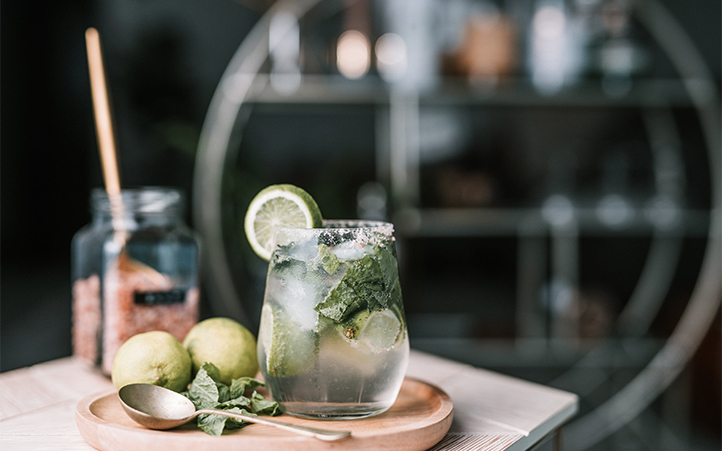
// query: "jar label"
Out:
[176,296]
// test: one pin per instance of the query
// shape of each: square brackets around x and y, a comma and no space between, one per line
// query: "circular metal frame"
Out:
[218,132]
[701,310]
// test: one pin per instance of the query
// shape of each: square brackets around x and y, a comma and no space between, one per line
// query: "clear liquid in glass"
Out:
[333,341]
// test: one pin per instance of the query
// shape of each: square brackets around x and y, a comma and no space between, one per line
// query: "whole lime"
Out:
[152,358]
[226,344]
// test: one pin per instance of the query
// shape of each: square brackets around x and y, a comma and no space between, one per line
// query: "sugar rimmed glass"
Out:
[333,342]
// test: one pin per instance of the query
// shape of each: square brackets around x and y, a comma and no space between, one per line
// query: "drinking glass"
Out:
[333,342]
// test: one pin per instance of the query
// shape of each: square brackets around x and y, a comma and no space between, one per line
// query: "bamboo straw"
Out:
[108,154]
[104,126]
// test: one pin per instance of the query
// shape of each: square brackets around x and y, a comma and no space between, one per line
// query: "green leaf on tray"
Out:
[224,393]
[212,424]
[240,401]
[233,423]
[240,385]
[206,392]
[203,390]
[261,405]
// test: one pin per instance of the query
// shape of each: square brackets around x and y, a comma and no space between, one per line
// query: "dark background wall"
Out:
[164,61]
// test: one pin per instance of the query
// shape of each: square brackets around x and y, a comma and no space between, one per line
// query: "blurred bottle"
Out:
[415,22]
[486,49]
[619,56]
[371,201]
[557,42]
[284,48]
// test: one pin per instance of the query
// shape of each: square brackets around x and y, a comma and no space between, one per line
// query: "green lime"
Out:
[381,331]
[352,328]
[377,331]
[278,205]
[152,358]
[289,348]
[226,344]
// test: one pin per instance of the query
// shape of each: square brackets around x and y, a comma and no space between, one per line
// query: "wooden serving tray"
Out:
[419,418]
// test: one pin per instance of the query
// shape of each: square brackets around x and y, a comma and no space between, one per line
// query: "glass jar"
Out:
[133,272]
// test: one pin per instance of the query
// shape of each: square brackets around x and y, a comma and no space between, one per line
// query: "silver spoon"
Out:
[159,408]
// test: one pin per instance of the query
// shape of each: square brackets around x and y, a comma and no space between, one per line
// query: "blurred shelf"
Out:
[372,90]
[471,222]
[543,353]
[322,89]
[588,93]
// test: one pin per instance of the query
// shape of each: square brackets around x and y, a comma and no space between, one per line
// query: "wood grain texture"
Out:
[418,420]
[27,389]
[472,442]
[489,403]
[491,412]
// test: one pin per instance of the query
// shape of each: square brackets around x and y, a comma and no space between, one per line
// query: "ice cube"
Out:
[350,251]
[298,298]
[303,250]
[381,331]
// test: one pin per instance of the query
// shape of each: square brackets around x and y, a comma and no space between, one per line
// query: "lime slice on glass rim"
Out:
[278,205]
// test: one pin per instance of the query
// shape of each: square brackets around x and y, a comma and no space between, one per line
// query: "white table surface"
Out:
[491,411]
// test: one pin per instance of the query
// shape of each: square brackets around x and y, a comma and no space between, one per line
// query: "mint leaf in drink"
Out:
[203,391]
[396,299]
[261,405]
[340,302]
[329,262]
[388,266]
[369,283]
[367,280]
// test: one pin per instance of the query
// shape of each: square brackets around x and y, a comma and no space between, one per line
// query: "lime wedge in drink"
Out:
[381,331]
[289,348]
[278,205]
[376,331]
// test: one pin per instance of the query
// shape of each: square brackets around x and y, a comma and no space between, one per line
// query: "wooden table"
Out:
[491,411]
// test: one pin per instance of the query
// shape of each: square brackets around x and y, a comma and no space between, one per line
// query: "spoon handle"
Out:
[321,434]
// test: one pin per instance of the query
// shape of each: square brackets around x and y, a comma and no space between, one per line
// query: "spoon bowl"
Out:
[159,408]
[156,407]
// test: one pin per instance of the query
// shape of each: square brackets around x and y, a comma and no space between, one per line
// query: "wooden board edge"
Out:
[84,418]
[98,432]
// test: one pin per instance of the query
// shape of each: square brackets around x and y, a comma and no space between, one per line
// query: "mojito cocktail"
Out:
[333,340]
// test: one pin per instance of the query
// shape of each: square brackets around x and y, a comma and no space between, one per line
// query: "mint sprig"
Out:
[203,391]
[207,392]
[369,283]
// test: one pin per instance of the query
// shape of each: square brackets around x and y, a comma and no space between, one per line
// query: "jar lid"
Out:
[143,200]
